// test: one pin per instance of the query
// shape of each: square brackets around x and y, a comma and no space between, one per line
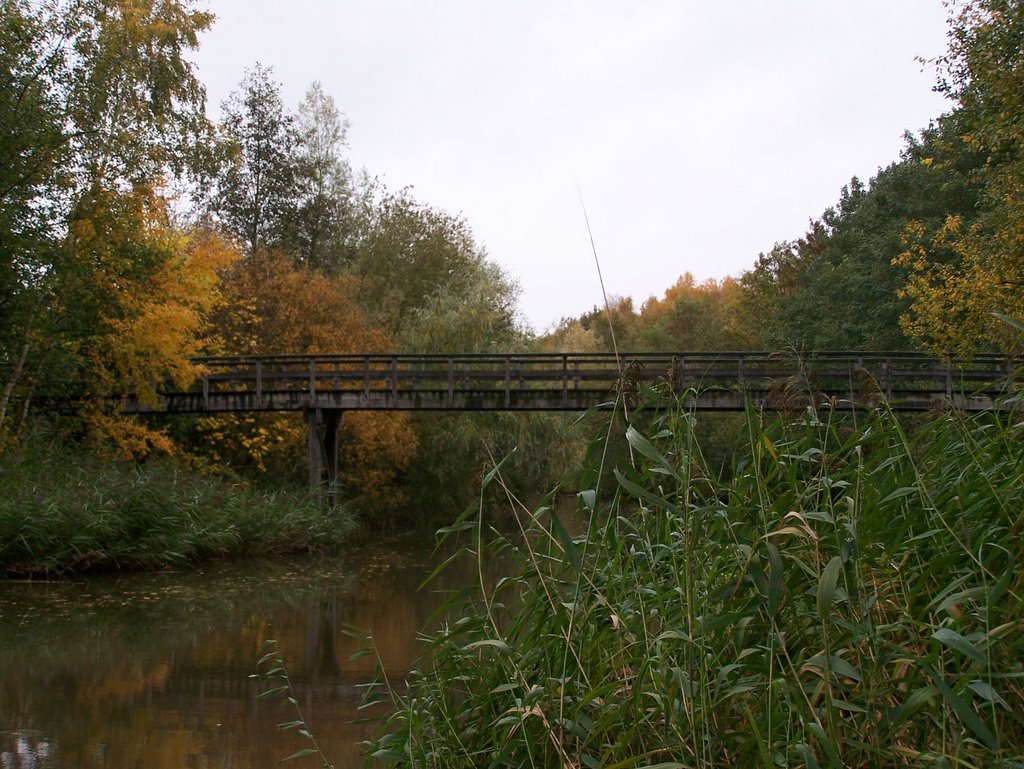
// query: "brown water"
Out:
[153,671]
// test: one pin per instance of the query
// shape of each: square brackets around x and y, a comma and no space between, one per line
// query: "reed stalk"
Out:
[850,596]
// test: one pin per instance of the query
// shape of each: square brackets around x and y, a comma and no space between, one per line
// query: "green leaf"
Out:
[762,746]
[837,665]
[495,471]
[568,546]
[588,497]
[386,754]
[965,711]
[918,699]
[640,492]
[1011,321]
[903,491]
[849,707]
[271,692]
[301,753]
[775,584]
[673,635]
[827,588]
[833,755]
[808,755]
[492,642]
[645,447]
[956,641]
[987,693]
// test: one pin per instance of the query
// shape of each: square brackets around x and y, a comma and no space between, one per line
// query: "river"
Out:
[154,670]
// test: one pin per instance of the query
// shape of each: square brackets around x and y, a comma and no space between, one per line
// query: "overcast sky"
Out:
[699,133]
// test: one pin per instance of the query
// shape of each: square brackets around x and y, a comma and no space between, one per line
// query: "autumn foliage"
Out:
[136,235]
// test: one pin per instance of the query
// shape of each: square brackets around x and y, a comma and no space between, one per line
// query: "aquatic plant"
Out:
[63,512]
[849,597]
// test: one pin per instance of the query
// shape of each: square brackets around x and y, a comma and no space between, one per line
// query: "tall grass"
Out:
[62,512]
[849,597]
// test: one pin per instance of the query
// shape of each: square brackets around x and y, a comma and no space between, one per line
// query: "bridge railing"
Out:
[888,374]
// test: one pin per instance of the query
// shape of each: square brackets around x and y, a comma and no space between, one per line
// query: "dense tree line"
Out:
[136,234]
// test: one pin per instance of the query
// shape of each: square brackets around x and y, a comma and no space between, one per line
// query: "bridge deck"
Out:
[577,381]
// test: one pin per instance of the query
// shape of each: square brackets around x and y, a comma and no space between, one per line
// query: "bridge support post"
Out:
[323,426]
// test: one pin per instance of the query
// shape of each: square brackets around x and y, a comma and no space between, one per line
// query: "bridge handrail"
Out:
[393,370]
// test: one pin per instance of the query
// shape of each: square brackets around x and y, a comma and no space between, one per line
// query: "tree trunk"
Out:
[16,373]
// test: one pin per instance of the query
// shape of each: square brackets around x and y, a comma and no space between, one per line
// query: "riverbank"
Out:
[850,596]
[64,512]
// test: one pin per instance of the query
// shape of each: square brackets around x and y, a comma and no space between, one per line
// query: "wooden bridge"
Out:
[323,387]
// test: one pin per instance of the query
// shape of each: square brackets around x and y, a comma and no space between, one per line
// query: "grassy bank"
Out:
[63,512]
[850,597]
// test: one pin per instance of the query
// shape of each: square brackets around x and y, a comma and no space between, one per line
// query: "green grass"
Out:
[64,512]
[849,597]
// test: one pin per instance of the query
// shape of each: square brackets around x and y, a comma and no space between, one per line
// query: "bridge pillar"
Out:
[323,426]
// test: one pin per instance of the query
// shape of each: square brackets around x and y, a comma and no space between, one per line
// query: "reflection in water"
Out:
[154,670]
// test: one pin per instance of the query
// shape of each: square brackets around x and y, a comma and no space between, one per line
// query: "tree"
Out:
[849,296]
[317,231]
[405,253]
[973,268]
[32,146]
[765,290]
[841,285]
[275,306]
[136,108]
[693,316]
[614,325]
[101,109]
[470,312]
[137,302]
[256,191]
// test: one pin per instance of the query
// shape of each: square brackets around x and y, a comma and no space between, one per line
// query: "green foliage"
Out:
[99,109]
[410,257]
[972,269]
[63,512]
[838,287]
[136,109]
[319,229]
[256,189]
[851,597]
[691,316]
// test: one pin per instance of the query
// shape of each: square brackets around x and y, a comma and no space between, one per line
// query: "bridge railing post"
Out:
[259,384]
[451,382]
[314,448]
[508,381]
[312,377]
[565,378]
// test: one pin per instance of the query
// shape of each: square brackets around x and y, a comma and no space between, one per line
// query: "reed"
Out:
[849,597]
[64,512]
